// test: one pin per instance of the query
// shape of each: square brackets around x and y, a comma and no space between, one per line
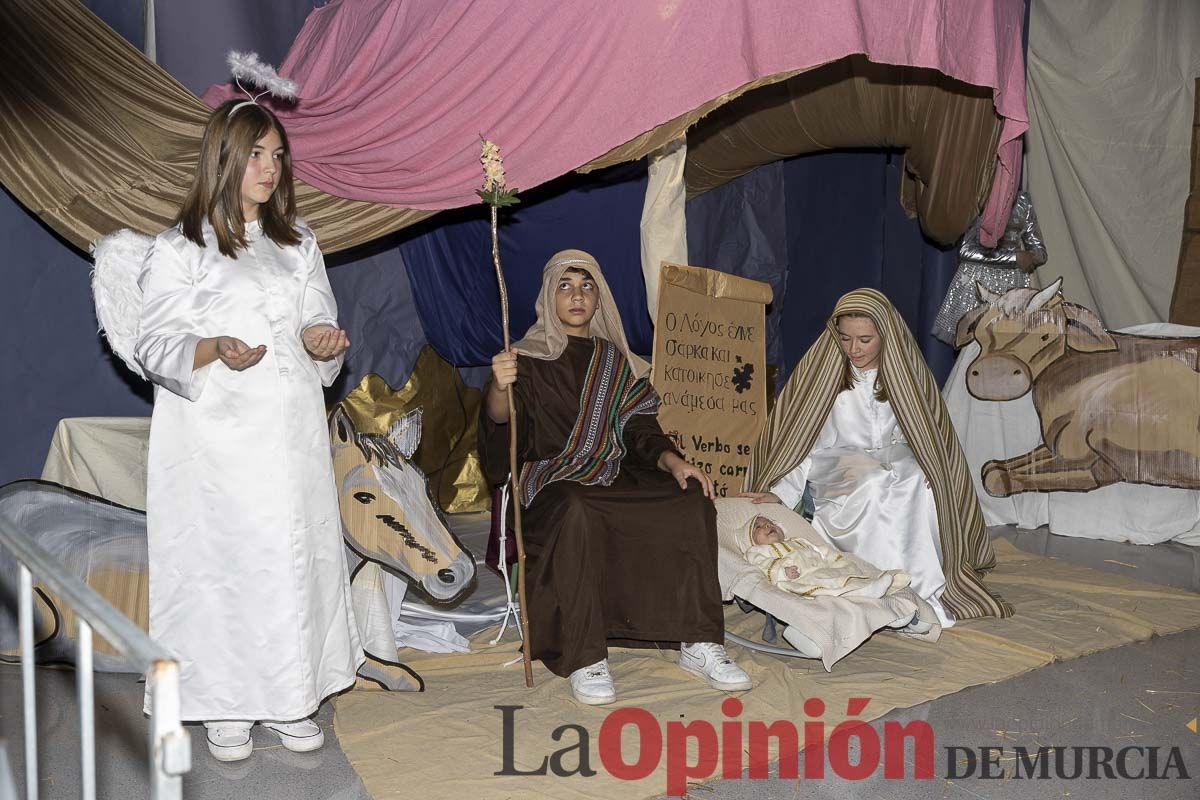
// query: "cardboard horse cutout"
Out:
[1113,407]
[388,517]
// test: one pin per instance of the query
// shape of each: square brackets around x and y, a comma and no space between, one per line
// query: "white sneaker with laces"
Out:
[593,685]
[301,736]
[229,740]
[709,660]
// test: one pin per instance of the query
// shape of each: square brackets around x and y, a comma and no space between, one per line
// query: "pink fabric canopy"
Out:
[394,94]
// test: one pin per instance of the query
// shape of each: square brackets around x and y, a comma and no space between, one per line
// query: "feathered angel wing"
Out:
[119,258]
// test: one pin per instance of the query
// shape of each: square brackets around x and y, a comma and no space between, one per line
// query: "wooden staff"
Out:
[512,464]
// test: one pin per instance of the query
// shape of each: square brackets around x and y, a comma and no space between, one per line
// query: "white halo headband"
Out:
[248,67]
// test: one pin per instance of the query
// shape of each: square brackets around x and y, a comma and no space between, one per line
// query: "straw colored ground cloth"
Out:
[447,741]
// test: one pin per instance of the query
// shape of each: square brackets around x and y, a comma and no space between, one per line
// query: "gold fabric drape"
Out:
[95,137]
[449,428]
[949,131]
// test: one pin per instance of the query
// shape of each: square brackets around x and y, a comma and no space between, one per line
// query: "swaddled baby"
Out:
[809,567]
[834,601]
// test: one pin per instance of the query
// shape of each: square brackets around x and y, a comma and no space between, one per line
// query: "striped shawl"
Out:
[610,396]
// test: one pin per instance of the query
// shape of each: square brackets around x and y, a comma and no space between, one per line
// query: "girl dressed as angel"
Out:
[238,332]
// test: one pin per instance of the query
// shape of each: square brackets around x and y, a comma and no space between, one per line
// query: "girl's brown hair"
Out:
[216,192]
[848,372]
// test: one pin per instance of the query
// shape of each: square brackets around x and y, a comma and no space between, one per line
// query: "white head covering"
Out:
[735,522]
[546,339]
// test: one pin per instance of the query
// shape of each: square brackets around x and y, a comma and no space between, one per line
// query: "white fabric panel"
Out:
[103,456]
[150,38]
[664,224]
[1119,512]
[1109,93]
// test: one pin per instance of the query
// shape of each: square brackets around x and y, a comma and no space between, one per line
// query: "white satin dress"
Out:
[248,579]
[869,492]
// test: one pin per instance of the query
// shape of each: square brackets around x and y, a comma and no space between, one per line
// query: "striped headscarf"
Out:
[803,406]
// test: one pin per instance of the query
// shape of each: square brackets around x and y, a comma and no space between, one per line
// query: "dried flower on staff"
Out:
[494,192]
[497,196]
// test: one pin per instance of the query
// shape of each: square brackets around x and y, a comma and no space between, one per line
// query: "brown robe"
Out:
[633,563]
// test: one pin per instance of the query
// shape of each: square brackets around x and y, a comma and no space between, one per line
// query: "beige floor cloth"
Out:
[446,742]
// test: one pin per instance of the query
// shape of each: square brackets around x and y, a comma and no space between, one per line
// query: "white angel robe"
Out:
[248,579]
[869,492]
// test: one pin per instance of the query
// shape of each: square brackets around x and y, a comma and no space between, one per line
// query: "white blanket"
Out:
[837,625]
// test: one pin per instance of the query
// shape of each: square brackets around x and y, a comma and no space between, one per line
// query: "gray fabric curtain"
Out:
[1110,125]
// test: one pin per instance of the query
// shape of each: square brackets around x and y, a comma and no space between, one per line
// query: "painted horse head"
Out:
[388,515]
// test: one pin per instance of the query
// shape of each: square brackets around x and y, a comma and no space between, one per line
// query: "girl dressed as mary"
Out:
[862,423]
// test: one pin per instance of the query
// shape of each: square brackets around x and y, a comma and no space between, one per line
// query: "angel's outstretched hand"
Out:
[236,354]
[324,342]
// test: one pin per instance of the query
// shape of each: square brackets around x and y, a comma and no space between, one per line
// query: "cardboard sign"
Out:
[710,368]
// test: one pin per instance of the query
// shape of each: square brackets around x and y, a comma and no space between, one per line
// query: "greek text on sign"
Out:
[709,368]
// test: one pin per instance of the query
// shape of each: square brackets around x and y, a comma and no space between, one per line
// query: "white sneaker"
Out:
[229,740]
[709,660]
[301,736]
[593,685]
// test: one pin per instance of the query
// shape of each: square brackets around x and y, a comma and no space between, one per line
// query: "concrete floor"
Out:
[271,773]
[1142,695]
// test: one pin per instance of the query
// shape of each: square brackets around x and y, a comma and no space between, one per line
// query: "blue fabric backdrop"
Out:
[846,230]
[816,227]
[54,364]
[449,260]
[741,227]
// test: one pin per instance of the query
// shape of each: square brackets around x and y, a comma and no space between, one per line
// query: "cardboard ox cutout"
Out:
[1113,407]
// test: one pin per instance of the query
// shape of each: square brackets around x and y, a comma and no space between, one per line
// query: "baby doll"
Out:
[808,568]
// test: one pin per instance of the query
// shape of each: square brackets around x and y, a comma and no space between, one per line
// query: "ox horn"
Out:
[1044,296]
[985,294]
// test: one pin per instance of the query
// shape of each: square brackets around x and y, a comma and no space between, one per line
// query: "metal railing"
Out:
[170,746]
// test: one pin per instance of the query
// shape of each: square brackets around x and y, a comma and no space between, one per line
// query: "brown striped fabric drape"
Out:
[1185,301]
[806,401]
[948,131]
